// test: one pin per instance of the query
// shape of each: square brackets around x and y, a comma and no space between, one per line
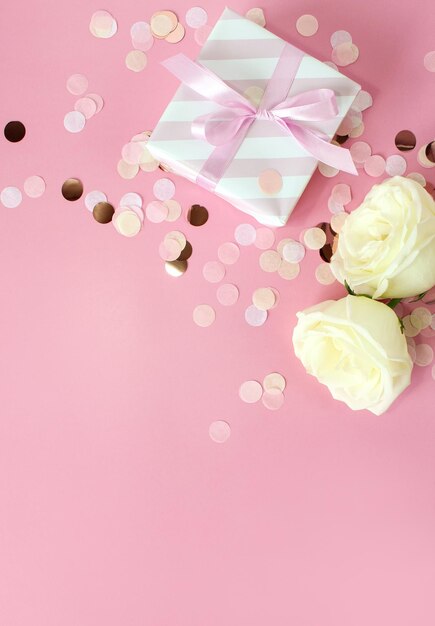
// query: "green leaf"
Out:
[394,302]
[420,297]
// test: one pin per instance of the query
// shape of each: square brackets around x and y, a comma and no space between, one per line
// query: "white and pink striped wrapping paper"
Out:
[243,55]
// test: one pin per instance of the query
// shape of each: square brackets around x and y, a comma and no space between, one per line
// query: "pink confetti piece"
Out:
[256,15]
[255,317]
[141,36]
[97,99]
[11,197]
[327,170]
[169,249]
[131,198]
[227,294]
[34,186]
[270,182]
[360,151]
[219,431]
[94,197]
[395,165]
[345,54]
[245,234]
[273,400]
[196,17]
[136,60]
[429,61]
[341,194]
[213,271]
[374,166]
[164,189]
[264,238]
[228,253]
[156,211]
[77,84]
[339,37]
[131,152]
[423,354]
[307,25]
[250,391]
[293,252]
[334,206]
[103,25]
[204,315]
[74,121]
[362,101]
[87,106]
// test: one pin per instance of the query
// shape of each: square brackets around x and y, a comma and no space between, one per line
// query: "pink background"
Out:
[115,505]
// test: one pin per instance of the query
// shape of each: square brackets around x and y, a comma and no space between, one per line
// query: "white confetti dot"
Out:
[219,431]
[254,316]
[11,197]
[74,121]
[245,234]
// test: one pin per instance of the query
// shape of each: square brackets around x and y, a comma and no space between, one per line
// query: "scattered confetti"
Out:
[136,60]
[314,238]
[341,193]
[162,23]
[423,354]
[245,234]
[254,94]
[174,210]
[177,34]
[264,298]
[419,178]
[72,189]
[274,381]
[170,249]
[420,318]
[254,316]
[204,315]
[156,211]
[362,101]
[327,170]
[197,215]
[429,61]
[288,271]
[228,253]
[131,199]
[219,431]
[395,165]
[11,197]
[175,268]
[405,140]
[97,99]
[164,189]
[103,25]
[374,166]
[339,37]
[338,220]
[103,212]
[250,391]
[227,294]
[293,252]
[86,106]
[127,170]
[324,274]
[77,84]
[270,261]
[213,271]
[74,121]
[360,151]
[307,25]
[270,182]
[34,186]
[257,16]
[273,401]
[196,17]
[264,238]
[141,36]
[345,54]
[14,131]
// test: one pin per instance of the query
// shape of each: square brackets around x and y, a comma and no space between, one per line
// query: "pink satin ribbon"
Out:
[226,128]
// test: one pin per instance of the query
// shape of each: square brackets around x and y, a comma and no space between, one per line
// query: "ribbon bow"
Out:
[226,128]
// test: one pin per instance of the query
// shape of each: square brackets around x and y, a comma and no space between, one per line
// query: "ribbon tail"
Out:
[322,150]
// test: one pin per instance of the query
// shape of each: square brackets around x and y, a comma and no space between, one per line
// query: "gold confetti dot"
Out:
[72,189]
[103,212]
[197,215]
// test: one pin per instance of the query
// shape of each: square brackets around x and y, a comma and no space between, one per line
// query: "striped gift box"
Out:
[244,55]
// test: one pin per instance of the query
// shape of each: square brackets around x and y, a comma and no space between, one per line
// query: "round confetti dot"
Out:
[273,382]
[395,165]
[197,215]
[178,236]
[270,261]
[164,189]
[227,294]
[156,211]
[362,101]
[162,23]
[131,199]
[103,25]
[273,400]
[177,34]
[11,197]
[94,197]
[254,316]
[77,84]
[174,210]
[419,178]
[127,223]
[141,36]
[339,37]
[345,53]
[409,329]
[256,15]
[72,189]
[196,17]
[327,170]
[97,99]
[314,238]
[293,252]
[170,249]
[264,238]
[341,194]
[324,274]
[423,354]
[337,221]
[127,170]
[250,391]
[228,253]
[34,186]
[307,25]
[360,151]
[423,160]
[374,166]
[288,271]
[86,106]
[270,182]
[357,131]
[264,298]
[14,131]
[245,234]
[421,317]
[74,121]
[204,315]
[136,60]
[201,34]
[213,271]
[254,94]
[219,431]
[175,268]
[103,212]
[429,61]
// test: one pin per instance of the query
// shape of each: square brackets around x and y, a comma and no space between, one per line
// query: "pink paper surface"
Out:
[115,505]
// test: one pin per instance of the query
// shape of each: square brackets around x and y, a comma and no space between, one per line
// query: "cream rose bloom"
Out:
[355,347]
[386,248]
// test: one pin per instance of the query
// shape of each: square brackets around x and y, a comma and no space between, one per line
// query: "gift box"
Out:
[252,118]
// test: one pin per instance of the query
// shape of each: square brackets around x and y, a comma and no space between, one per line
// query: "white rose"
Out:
[386,248]
[356,348]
